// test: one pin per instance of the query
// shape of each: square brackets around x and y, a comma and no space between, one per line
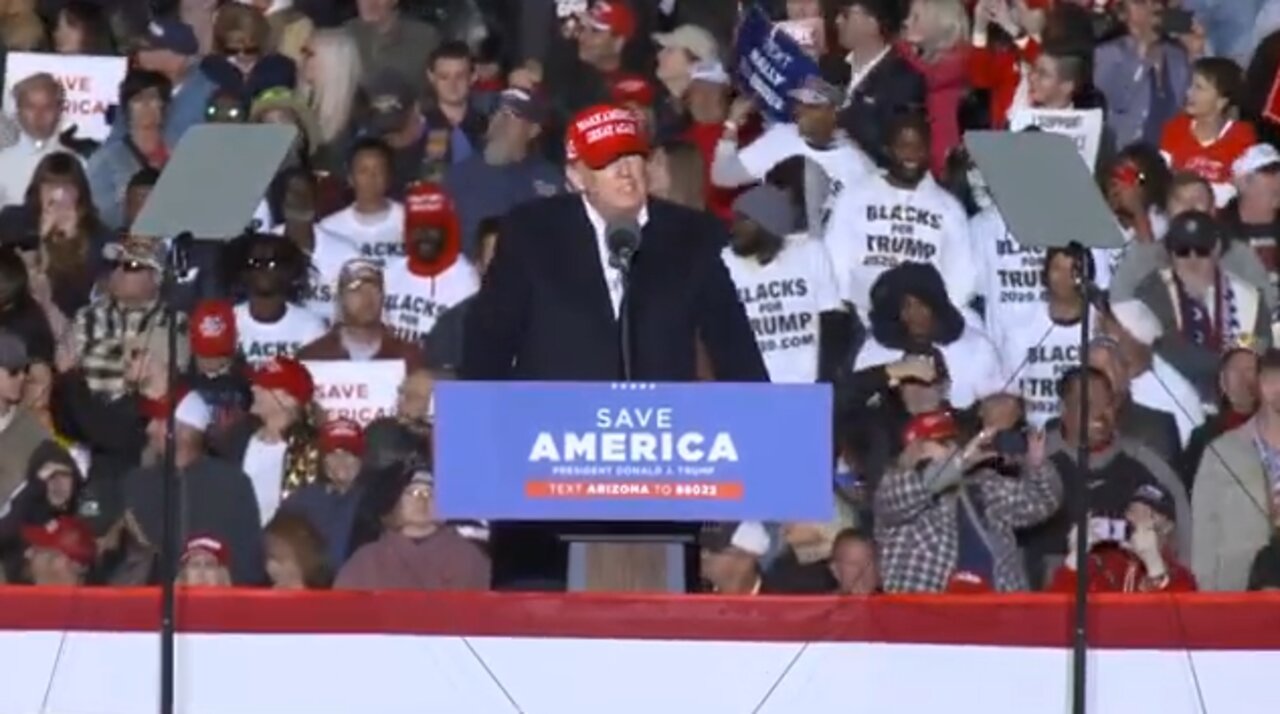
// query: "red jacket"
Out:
[1115,570]
[946,83]
[999,70]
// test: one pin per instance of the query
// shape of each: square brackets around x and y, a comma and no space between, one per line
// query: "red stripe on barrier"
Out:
[1199,621]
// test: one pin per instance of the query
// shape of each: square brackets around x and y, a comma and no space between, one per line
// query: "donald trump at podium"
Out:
[550,304]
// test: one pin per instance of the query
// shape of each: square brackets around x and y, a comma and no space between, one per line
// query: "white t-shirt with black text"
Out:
[375,236]
[331,252]
[260,341]
[880,226]
[413,302]
[1010,276]
[972,362]
[782,300]
[1036,352]
[843,163]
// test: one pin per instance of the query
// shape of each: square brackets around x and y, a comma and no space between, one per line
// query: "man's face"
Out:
[1262,188]
[341,467]
[1061,277]
[451,80]
[856,27]
[620,188]
[51,567]
[597,47]
[428,242]
[1268,389]
[1140,15]
[416,507]
[917,318]
[816,122]
[1239,381]
[362,304]
[746,236]
[11,385]
[1101,417]
[853,563]
[370,176]
[266,271]
[508,138]
[908,156]
[1189,197]
[59,486]
[674,63]
[803,9]
[1203,99]
[1045,84]
[147,109]
[375,11]
[39,113]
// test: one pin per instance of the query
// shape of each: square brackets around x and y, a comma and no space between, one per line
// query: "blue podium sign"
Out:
[634,451]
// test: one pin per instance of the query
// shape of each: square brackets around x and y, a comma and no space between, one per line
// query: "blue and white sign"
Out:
[647,452]
[771,63]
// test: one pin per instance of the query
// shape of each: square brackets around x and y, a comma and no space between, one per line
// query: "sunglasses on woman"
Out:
[265,263]
[130,266]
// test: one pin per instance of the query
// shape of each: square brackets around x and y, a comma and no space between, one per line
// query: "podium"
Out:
[625,473]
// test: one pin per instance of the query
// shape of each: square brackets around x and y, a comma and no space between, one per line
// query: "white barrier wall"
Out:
[274,653]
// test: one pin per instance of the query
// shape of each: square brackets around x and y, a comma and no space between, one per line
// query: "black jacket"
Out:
[543,311]
[891,87]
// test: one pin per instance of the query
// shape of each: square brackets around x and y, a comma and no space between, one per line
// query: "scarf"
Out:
[1200,326]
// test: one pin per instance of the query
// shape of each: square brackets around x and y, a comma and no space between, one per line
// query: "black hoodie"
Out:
[29,505]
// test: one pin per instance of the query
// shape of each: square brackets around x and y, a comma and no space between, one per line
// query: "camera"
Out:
[1010,443]
[1110,530]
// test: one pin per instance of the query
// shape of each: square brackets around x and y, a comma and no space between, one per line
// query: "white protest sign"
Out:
[91,84]
[1083,126]
[570,8]
[362,391]
[807,32]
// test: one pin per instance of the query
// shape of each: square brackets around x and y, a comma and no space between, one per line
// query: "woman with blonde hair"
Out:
[328,80]
[290,28]
[938,32]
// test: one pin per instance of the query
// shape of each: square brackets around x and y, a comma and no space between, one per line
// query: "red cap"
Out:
[288,375]
[613,17]
[66,534]
[342,434]
[965,582]
[932,426]
[207,544]
[213,329]
[428,205]
[602,134]
[632,89]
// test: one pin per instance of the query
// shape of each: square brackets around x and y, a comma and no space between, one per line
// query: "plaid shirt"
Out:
[103,328]
[918,533]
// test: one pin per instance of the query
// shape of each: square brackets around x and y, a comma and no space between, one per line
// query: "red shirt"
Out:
[999,70]
[1210,161]
[1115,570]
[705,137]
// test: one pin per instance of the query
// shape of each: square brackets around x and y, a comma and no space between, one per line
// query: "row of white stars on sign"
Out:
[633,386]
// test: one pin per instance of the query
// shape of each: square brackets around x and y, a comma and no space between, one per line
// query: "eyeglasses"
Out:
[1183,251]
[265,263]
[418,490]
[130,266]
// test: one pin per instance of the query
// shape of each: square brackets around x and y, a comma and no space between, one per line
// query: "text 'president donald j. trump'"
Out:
[551,300]
[550,304]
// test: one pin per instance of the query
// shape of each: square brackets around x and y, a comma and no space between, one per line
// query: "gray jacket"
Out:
[1231,511]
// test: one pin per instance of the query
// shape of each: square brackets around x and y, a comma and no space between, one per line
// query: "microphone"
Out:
[622,239]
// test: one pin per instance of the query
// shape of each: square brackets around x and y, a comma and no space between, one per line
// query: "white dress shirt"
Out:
[612,276]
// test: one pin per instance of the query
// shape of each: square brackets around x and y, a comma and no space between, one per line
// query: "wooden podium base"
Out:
[615,563]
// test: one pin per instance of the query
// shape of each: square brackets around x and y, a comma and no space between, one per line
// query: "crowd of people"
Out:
[864,245]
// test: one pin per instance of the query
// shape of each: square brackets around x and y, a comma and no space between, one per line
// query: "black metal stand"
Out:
[1080,639]
[175,265]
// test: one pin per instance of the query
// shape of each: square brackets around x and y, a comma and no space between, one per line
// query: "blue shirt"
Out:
[332,513]
[480,190]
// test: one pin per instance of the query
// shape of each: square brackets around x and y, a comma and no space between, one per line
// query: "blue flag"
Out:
[771,64]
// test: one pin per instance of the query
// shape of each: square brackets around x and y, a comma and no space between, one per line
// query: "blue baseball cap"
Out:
[172,35]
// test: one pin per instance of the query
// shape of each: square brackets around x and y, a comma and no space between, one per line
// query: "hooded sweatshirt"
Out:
[30,506]
[418,291]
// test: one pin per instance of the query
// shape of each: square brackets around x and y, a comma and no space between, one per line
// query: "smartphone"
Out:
[1010,442]
[1109,530]
[1177,21]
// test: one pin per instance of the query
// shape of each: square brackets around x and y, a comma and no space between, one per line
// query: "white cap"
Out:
[691,38]
[194,411]
[751,537]
[709,71]
[1138,320]
[1255,158]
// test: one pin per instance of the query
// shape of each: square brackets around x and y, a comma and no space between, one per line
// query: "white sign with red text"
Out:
[362,391]
[91,84]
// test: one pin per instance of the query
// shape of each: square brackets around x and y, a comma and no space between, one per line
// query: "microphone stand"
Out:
[623,264]
[175,265]
[1080,639]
